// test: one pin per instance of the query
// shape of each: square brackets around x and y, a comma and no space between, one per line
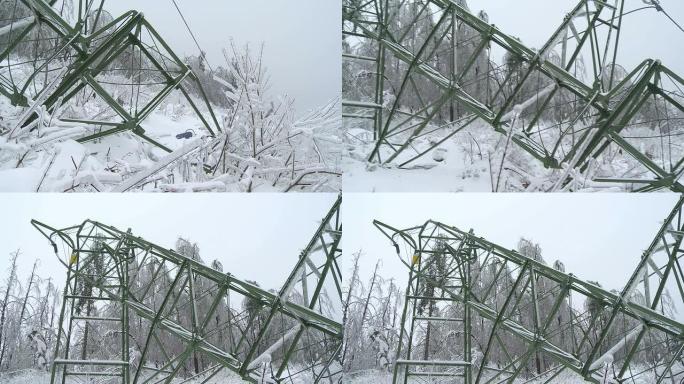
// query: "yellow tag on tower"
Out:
[74,258]
[416,259]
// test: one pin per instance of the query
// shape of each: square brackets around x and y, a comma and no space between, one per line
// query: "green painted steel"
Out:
[86,53]
[595,111]
[477,283]
[177,318]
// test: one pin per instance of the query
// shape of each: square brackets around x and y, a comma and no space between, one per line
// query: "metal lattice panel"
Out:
[484,294]
[538,99]
[177,318]
[84,61]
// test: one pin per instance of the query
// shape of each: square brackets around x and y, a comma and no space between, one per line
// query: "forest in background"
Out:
[373,312]
[30,309]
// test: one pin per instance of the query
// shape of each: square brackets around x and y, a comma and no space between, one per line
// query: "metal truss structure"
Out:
[515,318]
[546,106]
[177,318]
[83,60]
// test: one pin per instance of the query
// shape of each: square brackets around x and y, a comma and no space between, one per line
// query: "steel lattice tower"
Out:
[585,117]
[481,288]
[153,294]
[79,59]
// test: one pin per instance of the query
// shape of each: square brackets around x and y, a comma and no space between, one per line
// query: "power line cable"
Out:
[202,52]
[659,8]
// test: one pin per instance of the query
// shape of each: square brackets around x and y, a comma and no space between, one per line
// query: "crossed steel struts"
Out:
[543,106]
[514,317]
[177,318]
[84,53]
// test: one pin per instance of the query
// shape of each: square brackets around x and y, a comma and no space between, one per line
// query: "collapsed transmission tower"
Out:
[86,60]
[155,297]
[497,315]
[546,106]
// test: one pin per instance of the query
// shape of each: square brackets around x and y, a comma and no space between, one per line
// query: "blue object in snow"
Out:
[184,135]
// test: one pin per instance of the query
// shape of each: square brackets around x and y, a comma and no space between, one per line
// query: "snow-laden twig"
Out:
[161,164]
[209,186]
[266,355]
[609,356]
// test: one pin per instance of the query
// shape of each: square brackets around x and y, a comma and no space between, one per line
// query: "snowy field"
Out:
[264,144]
[472,161]
[37,377]
[451,168]
[43,377]
[565,377]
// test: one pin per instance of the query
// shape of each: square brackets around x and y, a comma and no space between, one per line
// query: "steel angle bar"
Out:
[165,301]
[523,284]
[94,50]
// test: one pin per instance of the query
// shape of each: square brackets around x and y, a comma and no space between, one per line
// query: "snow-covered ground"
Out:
[50,160]
[473,160]
[225,376]
[451,168]
[41,377]
[565,377]
[467,162]
[262,146]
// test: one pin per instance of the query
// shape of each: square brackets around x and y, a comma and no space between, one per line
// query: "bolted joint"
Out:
[134,127]
[19,100]
[551,162]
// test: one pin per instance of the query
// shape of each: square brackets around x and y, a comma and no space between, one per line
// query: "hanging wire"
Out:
[656,4]
[202,52]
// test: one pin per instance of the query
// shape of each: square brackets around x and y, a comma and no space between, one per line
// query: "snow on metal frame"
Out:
[90,48]
[565,124]
[175,317]
[528,320]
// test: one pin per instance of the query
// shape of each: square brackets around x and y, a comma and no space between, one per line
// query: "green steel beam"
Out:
[600,99]
[115,265]
[592,340]
[93,53]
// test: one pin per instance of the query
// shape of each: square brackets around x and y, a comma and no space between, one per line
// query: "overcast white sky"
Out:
[256,236]
[598,237]
[645,34]
[302,38]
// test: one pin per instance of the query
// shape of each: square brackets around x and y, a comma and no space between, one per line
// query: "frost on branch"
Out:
[264,144]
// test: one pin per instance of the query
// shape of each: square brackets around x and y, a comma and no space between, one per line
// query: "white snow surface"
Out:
[457,165]
[41,377]
[473,160]
[565,377]
[44,156]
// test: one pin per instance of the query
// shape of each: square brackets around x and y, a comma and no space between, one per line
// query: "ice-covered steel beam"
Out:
[174,299]
[17,25]
[92,51]
[619,326]
[606,103]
